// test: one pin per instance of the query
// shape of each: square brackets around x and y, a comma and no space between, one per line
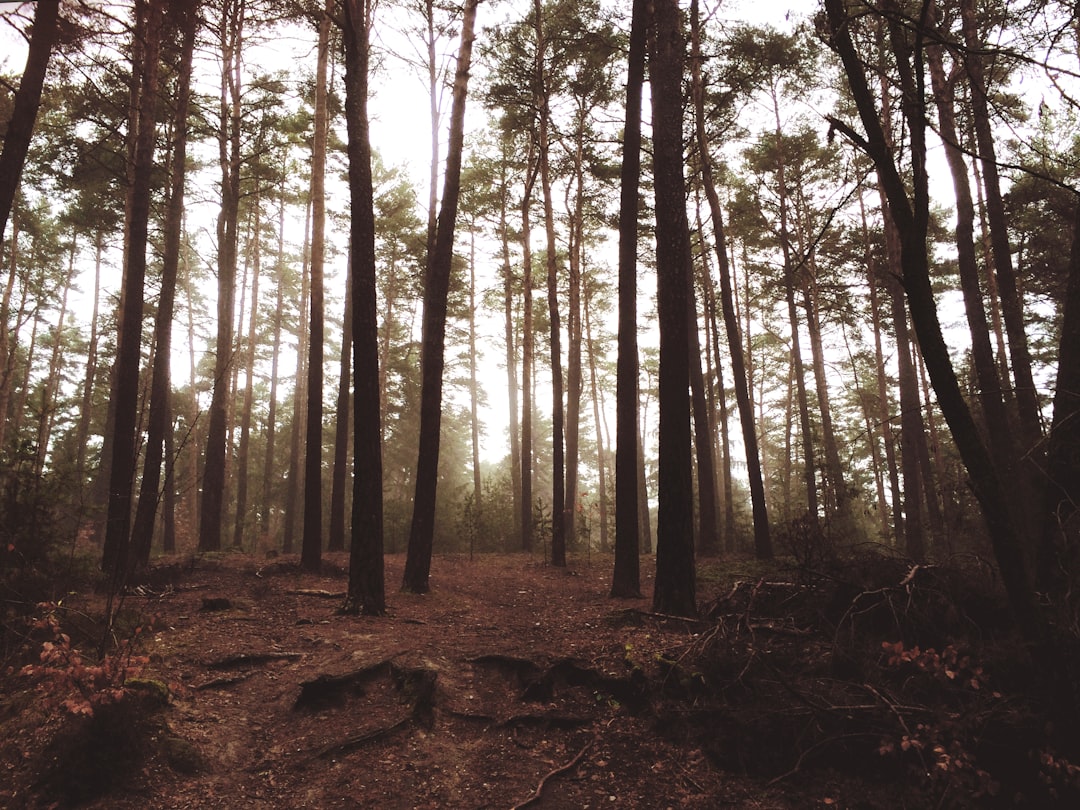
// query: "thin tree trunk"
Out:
[214,480]
[275,357]
[311,549]
[295,484]
[511,358]
[341,426]
[762,536]
[436,289]
[629,462]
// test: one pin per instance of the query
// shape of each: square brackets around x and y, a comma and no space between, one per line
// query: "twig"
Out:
[551,775]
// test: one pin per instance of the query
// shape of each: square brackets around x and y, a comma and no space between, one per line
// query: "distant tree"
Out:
[762,534]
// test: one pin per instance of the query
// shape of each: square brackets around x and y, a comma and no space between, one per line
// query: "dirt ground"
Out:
[511,684]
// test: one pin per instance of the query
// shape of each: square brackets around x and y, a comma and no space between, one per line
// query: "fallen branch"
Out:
[247,659]
[551,775]
[317,592]
[352,743]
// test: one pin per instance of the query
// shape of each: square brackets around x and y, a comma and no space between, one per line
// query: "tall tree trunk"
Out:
[1011,300]
[214,480]
[336,540]
[160,421]
[436,289]
[574,383]
[884,417]
[991,398]
[82,431]
[528,342]
[311,549]
[474,385]
[762,535]
[294,486]
[558,469]
[51,385]
[243,455]
[367,591]
[594,394]
[626,577]
[116,556]
[675,589]
[269,459]
[24,108]
[511,355]
[708,541]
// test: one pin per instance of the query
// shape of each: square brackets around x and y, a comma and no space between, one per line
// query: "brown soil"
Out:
[511,684]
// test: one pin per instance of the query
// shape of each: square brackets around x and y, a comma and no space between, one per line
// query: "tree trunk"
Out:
[214,480]
[674,591]
[311,548]
[558,469]
[269,459]
[160,420]
[436,289]
[762,536]
[20,127]
[341,426]
[116,556]
[626,577]
[511,356]
[911,218]
[1011,300]
[367,592]
[295,483]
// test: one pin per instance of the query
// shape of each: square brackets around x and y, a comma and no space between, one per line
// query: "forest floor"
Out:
[517,684]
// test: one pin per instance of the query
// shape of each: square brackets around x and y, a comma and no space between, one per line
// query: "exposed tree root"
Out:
[551,775]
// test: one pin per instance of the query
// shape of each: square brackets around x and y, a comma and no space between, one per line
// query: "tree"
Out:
[436,289]
[159,422]
[674,592]
[230,39]
[367,592]
[626,577]
[145,71]
[20,126]
[762,535]
[311,548]
[911,214]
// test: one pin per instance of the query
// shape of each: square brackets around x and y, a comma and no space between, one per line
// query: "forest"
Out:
[303,299]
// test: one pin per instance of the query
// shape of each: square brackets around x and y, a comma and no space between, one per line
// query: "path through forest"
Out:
[511,684]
